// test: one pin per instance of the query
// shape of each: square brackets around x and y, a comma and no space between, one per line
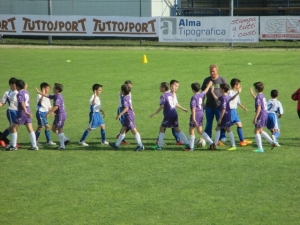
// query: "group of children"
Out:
[18,113]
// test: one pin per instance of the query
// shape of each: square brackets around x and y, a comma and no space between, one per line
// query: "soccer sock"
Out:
[217,137]
[161,137]
[192,141]
[47,134]
[231,137]
[62,140]
[119,140]
[176,135]
[138,139]
[267,137]
[240,133]
[6,133]
[183,137]
[37,135]
[14,137]
[85,134]
[258,141]
[103,135]
[207,138]
[32,139]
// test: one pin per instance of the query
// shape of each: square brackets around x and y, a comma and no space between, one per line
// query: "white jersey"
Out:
[120,97]
[234,103]
[174,97]
[10,97]
[274,106]
[97,106]
[45,105]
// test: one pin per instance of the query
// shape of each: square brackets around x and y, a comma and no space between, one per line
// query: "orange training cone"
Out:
[144,59]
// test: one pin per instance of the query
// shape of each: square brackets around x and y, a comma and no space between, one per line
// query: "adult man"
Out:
[211,106]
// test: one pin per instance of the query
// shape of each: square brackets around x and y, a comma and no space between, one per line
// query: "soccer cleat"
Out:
[113,145]
[124,143]
[220,143]
[67,141]
[259,150]
[249,142]
[186,149]
[179,143]
[232,148]
[2,143]
[212,147]
[275,144]
[243,143]
[83,143]
[10,148]
[33,148]
[139,148]
[59,148]
[156,147]
[51,143]
[19,146]
[105,143]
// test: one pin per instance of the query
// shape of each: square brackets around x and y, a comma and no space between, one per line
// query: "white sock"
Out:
[231,137]
[62,140]
[218,133]
[14,137]
[267,137]
[192,141]
[258,141]
[32,139]
[138,139]
[207,138]
[120,139]
[161,137]
[183,137]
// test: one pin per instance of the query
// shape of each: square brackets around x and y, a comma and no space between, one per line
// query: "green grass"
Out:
[95,185]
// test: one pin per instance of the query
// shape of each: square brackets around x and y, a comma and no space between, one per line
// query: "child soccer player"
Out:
[128,122]
[224,120]
[260,118]
[43,107]
[96,119]
[23,118]
[60,114]
[235,87]
[196,119]
[296,97]
[275,112]
[170,116]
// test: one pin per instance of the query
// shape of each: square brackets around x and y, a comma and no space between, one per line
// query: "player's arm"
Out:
[50,112]
[41,93]
[102,112]
[3,100]
[243,107]
[252,93]
[258,109]
[194,115]
[125,109]
[236,94]
[221,116]
[182,108]
[213,93]
[157,111]
[207,87]
[25,109]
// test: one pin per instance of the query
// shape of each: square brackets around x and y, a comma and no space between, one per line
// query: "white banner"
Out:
[280,27]
[78,25]
[208,29]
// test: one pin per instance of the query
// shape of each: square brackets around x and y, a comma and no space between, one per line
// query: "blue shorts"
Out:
[272,122]
[234,116]
[11,116]
[122,118]
[41,118]
[96,120]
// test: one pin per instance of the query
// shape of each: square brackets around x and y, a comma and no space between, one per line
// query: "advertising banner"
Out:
[280,27]
[78,26]
[208,29]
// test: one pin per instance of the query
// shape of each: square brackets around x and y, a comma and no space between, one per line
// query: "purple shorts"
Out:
[170,122]
[22,118]
[129,121]
[199,120]
[261,121]
[59,120]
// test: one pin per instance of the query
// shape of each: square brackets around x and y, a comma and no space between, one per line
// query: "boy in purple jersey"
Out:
[224,120]
[170,116]
[128,122]
[23,118]
[60,114]
[196,119]
[261,117]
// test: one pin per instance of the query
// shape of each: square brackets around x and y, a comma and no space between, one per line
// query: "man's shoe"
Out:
[212,147]
[232,148]
[179,143]
[139,148]
[83,143]
[259,150]
[249,142]
[10,148]
[51,143]
[124,143]
[105,143]
[275,144]
[220,143]
[113,145]
[59,148]
[243,143]
[33,148]
[67,141]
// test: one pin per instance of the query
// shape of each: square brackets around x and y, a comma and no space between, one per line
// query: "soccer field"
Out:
[98,185]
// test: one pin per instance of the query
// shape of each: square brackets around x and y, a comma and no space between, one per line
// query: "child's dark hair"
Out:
[224,87]
[58,87]
[259,86]
[173,81]
[274,93]
[234,81]
[125,89]
[165,85]
[20,84]
[12,80]
[44,85]
[96,86]
[195,86]
[128,82]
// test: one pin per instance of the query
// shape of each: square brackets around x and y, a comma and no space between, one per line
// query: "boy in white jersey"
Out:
[275,112]
[95,118]
[235,87]
[43,107]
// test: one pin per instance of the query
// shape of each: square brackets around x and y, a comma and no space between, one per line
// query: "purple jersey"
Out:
[166,100]
[260,100]
[224,104]
[23,96]
[196,102]
[58,100]
[129,115]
